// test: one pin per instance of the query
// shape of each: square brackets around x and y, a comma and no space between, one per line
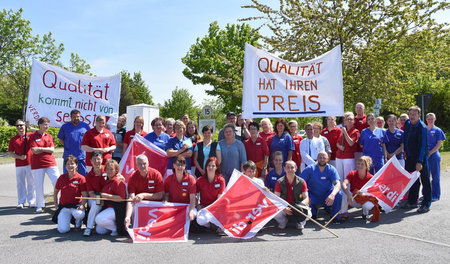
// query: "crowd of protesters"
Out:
[325,169]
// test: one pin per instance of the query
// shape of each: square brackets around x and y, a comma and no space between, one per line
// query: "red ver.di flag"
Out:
[390,184]
[160,222]
[243,209]
[157,158]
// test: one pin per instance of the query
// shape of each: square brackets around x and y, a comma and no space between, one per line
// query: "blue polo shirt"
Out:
[283,144]
[319,183]
[72,136]
[373,143]
[160,141]
[272,178]
[395,139]
[434,135]
[176,144]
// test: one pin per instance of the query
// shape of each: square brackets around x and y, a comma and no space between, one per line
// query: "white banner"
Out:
[278,88]
[54,92]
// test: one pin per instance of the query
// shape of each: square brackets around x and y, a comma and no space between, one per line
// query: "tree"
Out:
[374,36]
[17,49]
[182,102]
[133,91]
[78,65]
[218,60]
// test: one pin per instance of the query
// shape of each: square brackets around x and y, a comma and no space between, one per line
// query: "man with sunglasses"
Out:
[19,149]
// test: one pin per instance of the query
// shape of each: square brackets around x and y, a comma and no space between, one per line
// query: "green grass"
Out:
[445,161]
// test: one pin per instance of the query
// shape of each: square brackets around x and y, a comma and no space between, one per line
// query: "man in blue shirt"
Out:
[70,135]
[435,138]
[416,149]
[324,187]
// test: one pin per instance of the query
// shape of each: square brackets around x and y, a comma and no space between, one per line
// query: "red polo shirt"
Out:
[115,186]
[349,152]
[70,188]
[95,139]
[130,135]
[44,159]
[256,151]
[95,183]
[355,181]
[210,190]
[16,145]
[266,136]
[179,191]
[290,192]
[152,183]
[332,136]
[296,157]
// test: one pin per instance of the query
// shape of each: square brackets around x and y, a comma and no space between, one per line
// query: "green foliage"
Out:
[133,91]
[182,102]
[384,43]
[218,60]
[7,132]
[78,65]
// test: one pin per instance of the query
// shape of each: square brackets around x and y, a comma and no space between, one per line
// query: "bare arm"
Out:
[436,148]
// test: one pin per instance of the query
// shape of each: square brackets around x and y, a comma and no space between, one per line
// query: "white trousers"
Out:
[64,217]
[38,175]
[282,218]
[93,211]
[25,185]
[367,206]
[106,221]
[344,166]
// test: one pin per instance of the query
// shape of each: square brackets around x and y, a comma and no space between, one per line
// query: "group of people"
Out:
[326,169]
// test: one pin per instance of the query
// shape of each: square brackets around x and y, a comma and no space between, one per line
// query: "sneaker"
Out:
[87,232]
[408,206]
[300,226]
[39,210]
[19,206]
[114,233]
[32,205]
[423,209]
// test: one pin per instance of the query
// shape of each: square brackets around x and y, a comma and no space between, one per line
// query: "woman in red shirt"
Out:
[347,145]
[210,185]
[180,187]
[353,183]
[95,180]
[114,188]
[70,185]
[42,160]
[138,129]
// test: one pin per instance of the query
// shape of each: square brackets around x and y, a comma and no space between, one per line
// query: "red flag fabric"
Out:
[157,158]
[243,209]
[160,222]
[390,183]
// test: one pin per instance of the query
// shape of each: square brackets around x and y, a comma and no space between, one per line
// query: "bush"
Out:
[446,144]
[7,132]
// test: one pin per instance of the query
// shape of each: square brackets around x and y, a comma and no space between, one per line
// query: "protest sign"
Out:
[54,92]
[274,87]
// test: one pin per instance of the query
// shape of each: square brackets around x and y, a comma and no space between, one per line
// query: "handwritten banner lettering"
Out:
[277,88]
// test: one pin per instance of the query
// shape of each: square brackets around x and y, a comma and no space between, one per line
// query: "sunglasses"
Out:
[20,125]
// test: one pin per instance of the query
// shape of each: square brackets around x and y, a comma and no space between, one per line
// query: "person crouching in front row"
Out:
[293,189]
[70,185]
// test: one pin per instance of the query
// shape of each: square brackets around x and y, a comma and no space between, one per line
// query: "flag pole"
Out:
[338,212]
[314,221]
[105,199]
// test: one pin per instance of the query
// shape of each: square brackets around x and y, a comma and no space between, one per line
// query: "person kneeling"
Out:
[71,185]
[293,189]
[112,218]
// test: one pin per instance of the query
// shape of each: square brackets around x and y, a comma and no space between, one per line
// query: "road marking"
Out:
[407,237]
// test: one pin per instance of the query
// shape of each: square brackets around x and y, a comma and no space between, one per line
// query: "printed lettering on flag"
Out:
[157,158]
[160,222]
[390,183]
[243,209]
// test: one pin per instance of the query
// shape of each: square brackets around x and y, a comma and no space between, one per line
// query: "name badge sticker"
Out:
[185,183]
[106,135]
[151,181]
[323,178]
[75,182]
[37,140]
[258,144]
[217,185]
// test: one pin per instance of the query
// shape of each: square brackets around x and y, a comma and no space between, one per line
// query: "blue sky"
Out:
[150,36]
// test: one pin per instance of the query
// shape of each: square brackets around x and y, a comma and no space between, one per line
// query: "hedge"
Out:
[7,132]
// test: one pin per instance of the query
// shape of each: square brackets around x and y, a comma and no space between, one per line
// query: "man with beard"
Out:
[70,135]
[324,187]
[119,136]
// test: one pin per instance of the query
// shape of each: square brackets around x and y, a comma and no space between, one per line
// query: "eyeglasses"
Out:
[20,125]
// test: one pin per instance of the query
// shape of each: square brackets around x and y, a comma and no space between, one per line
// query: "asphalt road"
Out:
[400,237]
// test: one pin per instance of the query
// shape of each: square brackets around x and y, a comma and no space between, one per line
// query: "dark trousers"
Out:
[410,166]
